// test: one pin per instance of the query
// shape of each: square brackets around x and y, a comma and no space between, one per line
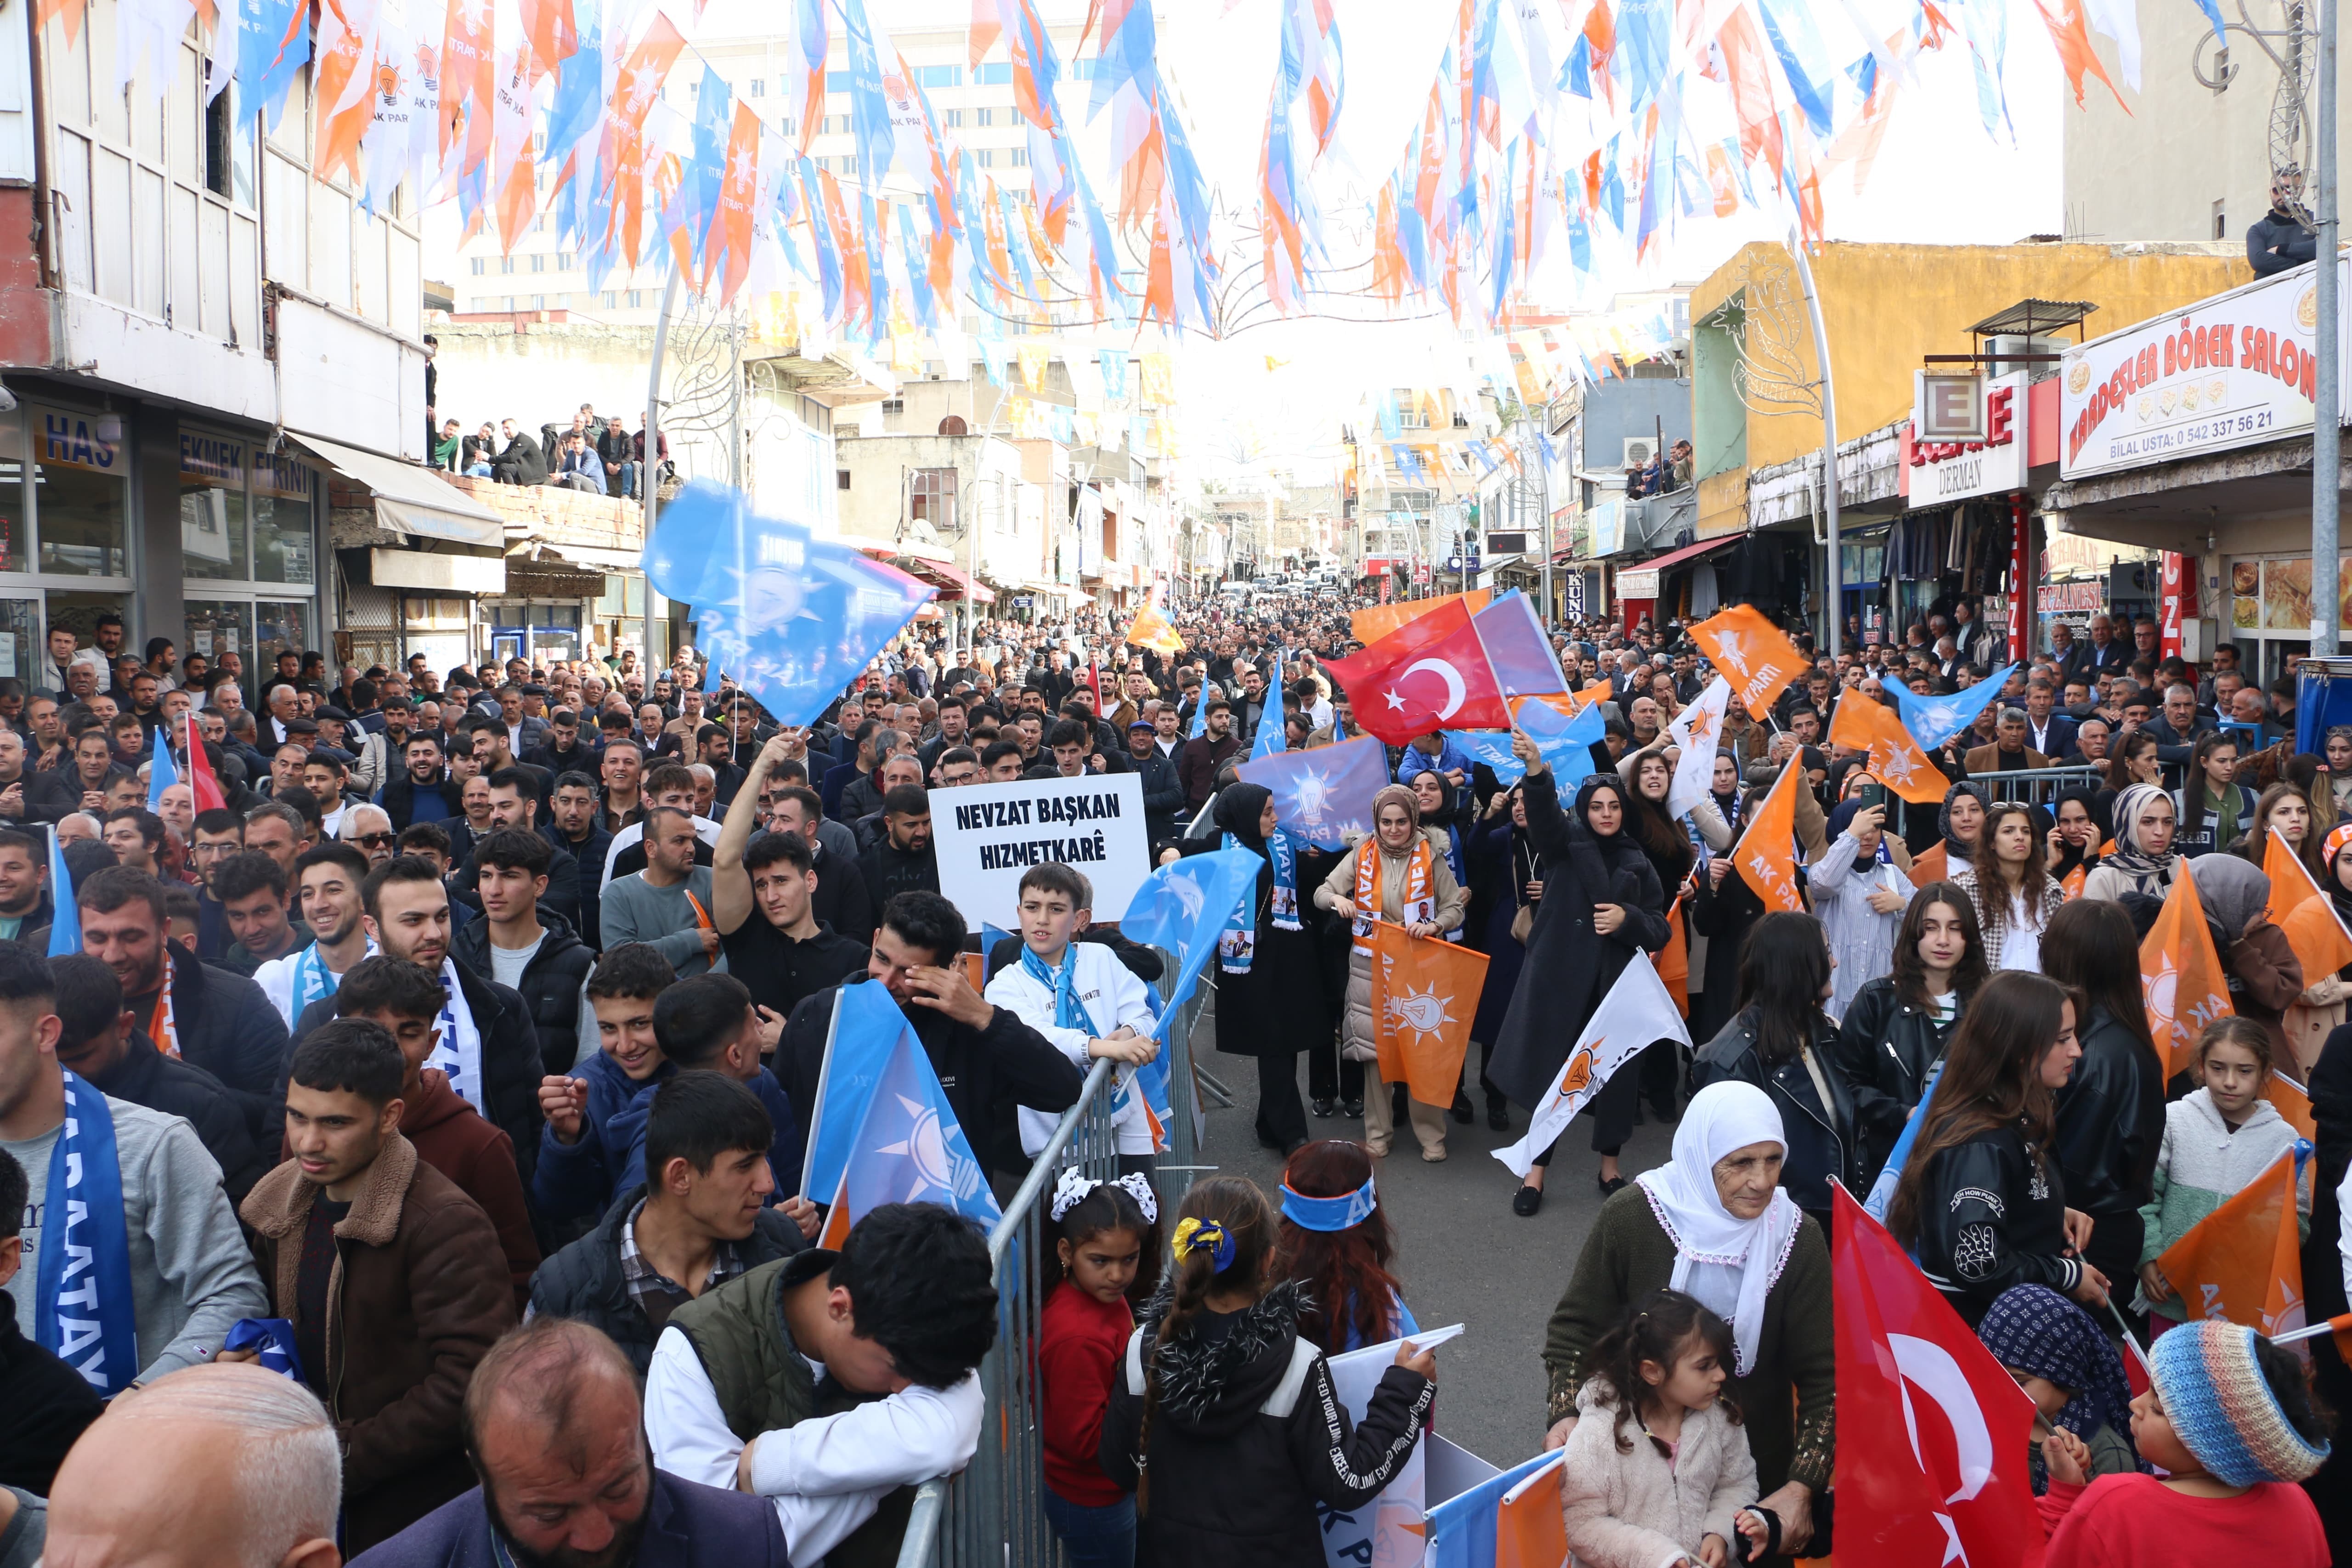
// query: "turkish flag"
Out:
[1766,854]
[201,784]
[1933,1433]
[1429,674]
[2180,974]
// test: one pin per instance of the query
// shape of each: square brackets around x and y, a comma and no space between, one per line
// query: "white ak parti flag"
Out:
[1636,1012]
[1697,731]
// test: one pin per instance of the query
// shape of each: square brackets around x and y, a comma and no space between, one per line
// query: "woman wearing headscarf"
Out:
[1959,825]
[1503,856]
[2265,976]
[1601,903]
[2335,793]
[1670,845]
[2078,837]
[1861,888]
[2070,1369]
[1270,1000]
[1398,875]
[2142,861]
[1715,1224]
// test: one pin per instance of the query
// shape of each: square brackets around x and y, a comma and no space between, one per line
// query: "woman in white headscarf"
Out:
[1715,1223]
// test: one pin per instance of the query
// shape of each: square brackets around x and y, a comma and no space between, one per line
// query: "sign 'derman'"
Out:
[986,836]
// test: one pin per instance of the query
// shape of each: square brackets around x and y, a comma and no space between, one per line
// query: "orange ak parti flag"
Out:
[2308,922]
[2293,1106]
[1753,654]
[1766,854]
[1895,759]
[1674,960]
[1424,994]
[1369,625]
[1530,1530]
[2244,1260]
[2180,975]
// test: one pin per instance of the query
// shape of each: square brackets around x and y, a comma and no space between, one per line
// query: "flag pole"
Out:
[2130,1338]
[2339,1324]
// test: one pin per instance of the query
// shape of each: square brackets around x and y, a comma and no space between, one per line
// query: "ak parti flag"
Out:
[2180,975]
[1895,759]
[2244,1260]
[2292,1105]
[1755,654]
[1429,675]
[1368,626]
[2308,920]
[1424,994]
[1151,629]
[1766,854]
[1530,1530]
[1674,960]
[1933,1433]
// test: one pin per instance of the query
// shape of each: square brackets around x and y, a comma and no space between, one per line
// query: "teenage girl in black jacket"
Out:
[1982,1201]
[1235,1414]
[1897,1025]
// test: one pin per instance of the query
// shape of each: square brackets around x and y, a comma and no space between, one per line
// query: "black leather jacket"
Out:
[2110,1120]
[1990,1217]
[1885,1048]
[1822,1142]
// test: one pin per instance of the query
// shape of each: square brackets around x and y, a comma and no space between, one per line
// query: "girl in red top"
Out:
[2228,1419]
[1108,1238]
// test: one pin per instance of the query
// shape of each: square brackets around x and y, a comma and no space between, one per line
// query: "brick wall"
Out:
[559,516]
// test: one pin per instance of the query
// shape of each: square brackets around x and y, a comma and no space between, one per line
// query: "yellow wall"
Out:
[1885,306]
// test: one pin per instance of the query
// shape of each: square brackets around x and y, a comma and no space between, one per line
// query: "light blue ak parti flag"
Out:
[1933,721]
[1566,744]
[1184,907]
[1270,738]
[1200,714]
[908,1147]
[1322,795]
[867,1026]
[1516,648]
[1463,1528]
[792,617]
[162,774]
[64,924]
[1882,1191]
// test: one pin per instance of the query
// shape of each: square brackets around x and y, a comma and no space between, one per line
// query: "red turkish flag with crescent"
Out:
[203,787]
[1429,674]
[1933,1434]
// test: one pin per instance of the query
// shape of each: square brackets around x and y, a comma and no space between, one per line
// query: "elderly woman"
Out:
[1399,875]
[1601,903]
[1861,888]
[1715,1224]
[2142,860]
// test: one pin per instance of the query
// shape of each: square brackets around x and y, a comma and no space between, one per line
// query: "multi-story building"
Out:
[209,354]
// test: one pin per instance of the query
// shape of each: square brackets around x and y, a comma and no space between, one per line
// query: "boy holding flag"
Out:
[1082,999]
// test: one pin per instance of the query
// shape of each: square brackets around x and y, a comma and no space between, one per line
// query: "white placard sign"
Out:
[986,836]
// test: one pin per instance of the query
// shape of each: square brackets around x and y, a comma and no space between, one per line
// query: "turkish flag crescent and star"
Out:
[201,784]
[1429,674]
[1933,1433]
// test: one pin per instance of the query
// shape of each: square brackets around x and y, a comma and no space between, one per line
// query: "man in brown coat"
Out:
[2009,753]
[392,1277]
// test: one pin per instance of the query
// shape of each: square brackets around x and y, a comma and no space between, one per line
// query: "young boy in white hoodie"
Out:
[1082,999]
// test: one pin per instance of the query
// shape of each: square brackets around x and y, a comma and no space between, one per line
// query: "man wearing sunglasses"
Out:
[370,828]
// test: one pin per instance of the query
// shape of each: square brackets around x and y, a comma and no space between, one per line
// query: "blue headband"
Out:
[1329,1214]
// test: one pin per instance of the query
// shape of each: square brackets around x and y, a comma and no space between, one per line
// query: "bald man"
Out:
[214,1466]
[556,1430]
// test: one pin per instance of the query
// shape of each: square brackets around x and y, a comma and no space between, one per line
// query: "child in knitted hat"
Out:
[2228,1421]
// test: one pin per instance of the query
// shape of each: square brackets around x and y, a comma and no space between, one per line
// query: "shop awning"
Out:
[410,499]
[954,582]
[1642,581]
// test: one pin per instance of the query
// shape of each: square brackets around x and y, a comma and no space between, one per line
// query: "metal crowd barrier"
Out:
[2027,786]
[992,1513]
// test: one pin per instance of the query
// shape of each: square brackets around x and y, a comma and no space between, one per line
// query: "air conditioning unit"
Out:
[1639,450]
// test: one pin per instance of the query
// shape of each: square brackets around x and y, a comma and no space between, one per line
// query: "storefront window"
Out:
[20,636]
[212,506]
[283,490]
[218,627]
[78,612]
[13,530]
[280,626]
[83,494]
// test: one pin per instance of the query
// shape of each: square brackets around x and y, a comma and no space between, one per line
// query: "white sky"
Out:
[1937,179]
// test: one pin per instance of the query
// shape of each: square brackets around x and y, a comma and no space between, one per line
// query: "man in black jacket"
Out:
[45,1405]
[78,784]
[902,860]
[493,1060]
[521,463]
[699,1217]
[762,897]
[578,833]
[2278,241]
[524,943]
[514,804]
[987,1061]
[208,1016]
[1164,791]
[100,1044]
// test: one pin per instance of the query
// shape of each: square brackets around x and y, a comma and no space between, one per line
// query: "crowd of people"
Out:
[437,1103]
[594,455]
